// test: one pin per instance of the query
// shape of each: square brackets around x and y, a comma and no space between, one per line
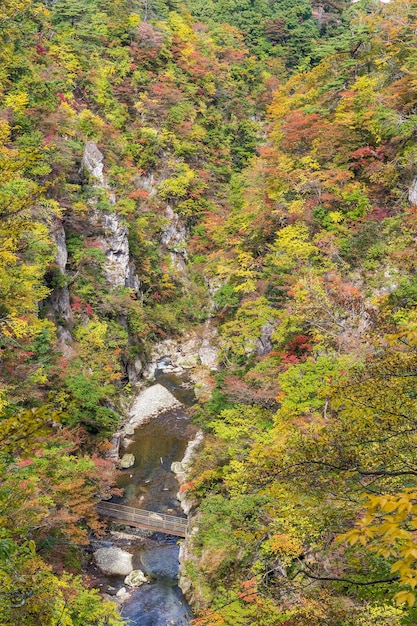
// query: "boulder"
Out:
[121,596]
[177,467]
[150,402]
[136,578]
[127,460]
[121,593]
[113,561]
[129,429]
[188,361]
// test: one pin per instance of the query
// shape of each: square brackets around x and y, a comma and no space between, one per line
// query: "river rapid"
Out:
[150,484]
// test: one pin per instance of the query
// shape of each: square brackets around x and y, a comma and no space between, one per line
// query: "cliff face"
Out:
[112,233]
[108,233]
[59,298]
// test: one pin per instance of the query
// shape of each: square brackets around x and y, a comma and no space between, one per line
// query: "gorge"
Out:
[226,191]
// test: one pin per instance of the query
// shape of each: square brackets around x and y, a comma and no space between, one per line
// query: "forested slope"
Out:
[163,163]
[108,122]
[313,421]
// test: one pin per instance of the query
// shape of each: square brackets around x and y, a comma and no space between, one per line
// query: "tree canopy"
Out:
[256,165]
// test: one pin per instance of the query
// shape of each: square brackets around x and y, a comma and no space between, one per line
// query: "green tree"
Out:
[33,595]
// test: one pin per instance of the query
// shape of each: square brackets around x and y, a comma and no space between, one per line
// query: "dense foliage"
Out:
[173,111]
[258,161]
[314,419]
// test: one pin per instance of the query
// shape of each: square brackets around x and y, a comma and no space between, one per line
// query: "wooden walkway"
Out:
[141,518]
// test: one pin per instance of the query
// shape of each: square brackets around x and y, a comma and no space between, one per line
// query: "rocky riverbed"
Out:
[160,439]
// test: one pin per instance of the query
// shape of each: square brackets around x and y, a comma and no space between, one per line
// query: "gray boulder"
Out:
[127,460]
[113,561]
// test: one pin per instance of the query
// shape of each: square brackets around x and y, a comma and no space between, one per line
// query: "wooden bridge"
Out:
[141,518]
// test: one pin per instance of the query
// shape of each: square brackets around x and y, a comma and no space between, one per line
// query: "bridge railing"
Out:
[142,517]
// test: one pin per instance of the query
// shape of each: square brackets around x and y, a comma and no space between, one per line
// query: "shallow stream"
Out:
[150,484]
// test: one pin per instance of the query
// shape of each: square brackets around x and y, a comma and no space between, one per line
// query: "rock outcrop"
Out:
[173,237]
[180,469]
[114,242]
[264,343]
[111,235]
[58,304]
[113,452]
[195,349]
[93,162]
[186,554]
[119,270]
[134,369]
[175,233]
[412,192]
[116,249]
[207,352]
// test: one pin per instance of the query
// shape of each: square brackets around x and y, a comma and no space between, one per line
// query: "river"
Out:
[150,484]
